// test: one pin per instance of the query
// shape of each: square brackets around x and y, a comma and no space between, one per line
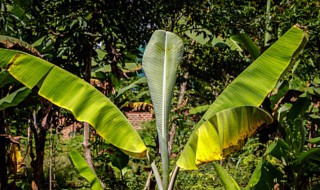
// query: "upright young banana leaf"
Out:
[160,61]
[83,100]
[249,89]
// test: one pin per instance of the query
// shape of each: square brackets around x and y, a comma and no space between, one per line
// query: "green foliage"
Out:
[65,31]
[14,98]
[160,62]
[84,170]
[52,82]
[227,181]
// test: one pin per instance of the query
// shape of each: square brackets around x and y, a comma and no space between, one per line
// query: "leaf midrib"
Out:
[164,82]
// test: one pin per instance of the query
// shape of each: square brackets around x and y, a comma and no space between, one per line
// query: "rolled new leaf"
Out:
[221,135]
[70,92]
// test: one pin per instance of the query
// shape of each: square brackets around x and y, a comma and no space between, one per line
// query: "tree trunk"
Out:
[37,165]
[86,127]
[40,131]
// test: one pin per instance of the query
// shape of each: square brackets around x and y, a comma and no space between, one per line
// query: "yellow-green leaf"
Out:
[84,170]
[83,100]
[222,134]
[251,87]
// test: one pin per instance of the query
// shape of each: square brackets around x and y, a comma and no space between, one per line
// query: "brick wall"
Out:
[137,118]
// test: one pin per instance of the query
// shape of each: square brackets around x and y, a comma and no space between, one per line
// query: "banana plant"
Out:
[233,116]
[249,89]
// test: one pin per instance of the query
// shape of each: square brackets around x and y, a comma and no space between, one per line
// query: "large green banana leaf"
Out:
[84,170]
[83,100]
[221,134]
[251,87]
[160,61]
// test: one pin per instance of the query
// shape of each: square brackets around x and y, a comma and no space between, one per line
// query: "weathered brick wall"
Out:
[137,118]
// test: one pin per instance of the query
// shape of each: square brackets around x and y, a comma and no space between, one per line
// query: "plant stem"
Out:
[164,159]
[157,175]
[50,165]
[173,178]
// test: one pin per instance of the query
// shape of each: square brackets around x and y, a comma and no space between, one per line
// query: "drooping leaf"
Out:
[222,134]
[264,176]
[119,159]
[14,43]
[132,85]
[315,140]
[252,86]
[70,92]
[247,42]
[84,170]
[278,149]
[309,159]
[201,36]
[198,109]
[227,181]
[160,61]
[14,98]
[298,108]
[6,78]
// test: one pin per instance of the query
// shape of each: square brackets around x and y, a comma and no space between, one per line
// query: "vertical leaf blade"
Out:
[160,62]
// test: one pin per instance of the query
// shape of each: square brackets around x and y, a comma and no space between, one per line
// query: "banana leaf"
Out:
[226,180]
[84,170]
[14,43]
[248,44]
[70,92]
[160,61]
[250,88]
[223,134]
[142,80]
